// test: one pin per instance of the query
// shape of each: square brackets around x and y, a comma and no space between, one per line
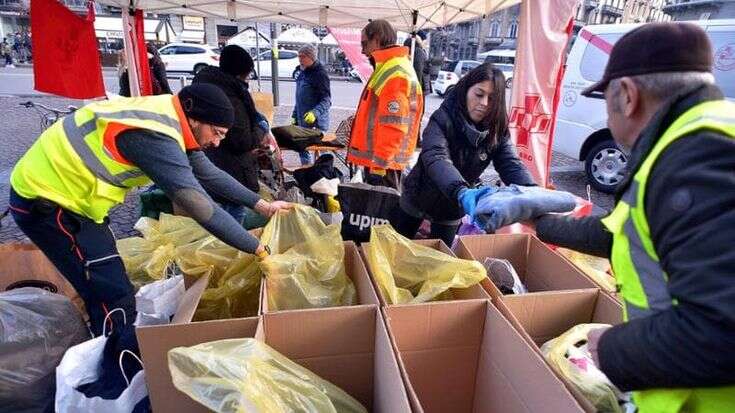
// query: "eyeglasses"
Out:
[218,133]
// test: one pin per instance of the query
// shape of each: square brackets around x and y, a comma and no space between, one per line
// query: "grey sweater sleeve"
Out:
[220,183]
[162,160]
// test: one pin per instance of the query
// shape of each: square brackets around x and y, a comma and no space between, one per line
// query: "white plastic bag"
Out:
[158,301]
[326,186]
[79,366]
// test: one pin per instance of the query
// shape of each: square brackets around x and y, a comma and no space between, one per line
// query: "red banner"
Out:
[65,57]
[349,42]
[144,70]
[537,80]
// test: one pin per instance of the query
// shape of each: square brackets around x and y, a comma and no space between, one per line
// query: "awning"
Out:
[298,35]
[111,28]
[343,13]
[246,39]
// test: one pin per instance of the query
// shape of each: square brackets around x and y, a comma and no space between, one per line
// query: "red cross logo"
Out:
[529,119]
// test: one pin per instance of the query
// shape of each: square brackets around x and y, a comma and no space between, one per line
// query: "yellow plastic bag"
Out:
[595,267]
[246,375]
[307,267]
[234,284]
[568,356]
[409,273]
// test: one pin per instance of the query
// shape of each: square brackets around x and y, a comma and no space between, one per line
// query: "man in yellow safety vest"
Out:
[671,235]
[63,188]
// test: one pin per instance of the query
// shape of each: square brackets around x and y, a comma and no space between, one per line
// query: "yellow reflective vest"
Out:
[642,280]
[75,163]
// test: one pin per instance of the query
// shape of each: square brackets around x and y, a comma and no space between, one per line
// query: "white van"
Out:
[581,126]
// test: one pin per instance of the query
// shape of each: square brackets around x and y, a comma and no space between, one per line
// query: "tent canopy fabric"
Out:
[298,35]
[333,13]
[246,39]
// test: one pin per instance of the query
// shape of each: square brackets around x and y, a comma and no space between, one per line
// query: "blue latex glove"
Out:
[468,199]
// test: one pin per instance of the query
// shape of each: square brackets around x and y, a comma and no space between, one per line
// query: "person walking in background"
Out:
[388,117]
[313,95]
[464,136]
[421,62]
[235,154]
[7,53]
[159,81]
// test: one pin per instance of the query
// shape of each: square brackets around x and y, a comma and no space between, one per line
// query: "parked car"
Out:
[503,59]
[450,73]
[188,57]
[288,64]
[581,127]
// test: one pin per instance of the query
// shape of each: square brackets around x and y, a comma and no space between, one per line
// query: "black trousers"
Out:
[408,225]
[83,251]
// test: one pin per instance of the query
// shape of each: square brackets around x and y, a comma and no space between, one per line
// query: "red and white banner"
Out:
[349,42]
[65,57]
[539,68]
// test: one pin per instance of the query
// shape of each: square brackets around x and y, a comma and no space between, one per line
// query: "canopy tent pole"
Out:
[257,54]
[414,20]
[274,61]
[129,51]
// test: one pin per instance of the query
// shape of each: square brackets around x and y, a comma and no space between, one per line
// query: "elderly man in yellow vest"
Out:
[671,235]
[63,188]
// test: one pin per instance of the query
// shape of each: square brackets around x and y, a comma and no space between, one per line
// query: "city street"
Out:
[19,127]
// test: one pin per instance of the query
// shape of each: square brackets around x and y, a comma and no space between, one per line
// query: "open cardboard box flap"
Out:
[24,265]
[348,346]
[544,316]
[355,269]
[471,293]
[465,357]
[538,267]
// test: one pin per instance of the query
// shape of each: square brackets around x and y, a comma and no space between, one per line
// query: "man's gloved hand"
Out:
[468,198]
[309,118]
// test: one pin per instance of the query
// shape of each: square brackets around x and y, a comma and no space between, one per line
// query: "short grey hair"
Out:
[660,86]
[309,50]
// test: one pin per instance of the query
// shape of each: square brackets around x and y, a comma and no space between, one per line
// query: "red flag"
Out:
[543,36]
[349,42]
[65,57]
[144,71]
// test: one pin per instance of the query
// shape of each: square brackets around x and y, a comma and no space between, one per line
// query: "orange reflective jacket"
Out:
[388,116]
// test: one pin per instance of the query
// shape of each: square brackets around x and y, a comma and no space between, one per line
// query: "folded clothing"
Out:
[298,138]
[510,204]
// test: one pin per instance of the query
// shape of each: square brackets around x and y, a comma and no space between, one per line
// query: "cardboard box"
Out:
[156,341]
[538,267]
[24,265]
[471,293]
[544,316]
[355,269]
[465,357]
[348,346]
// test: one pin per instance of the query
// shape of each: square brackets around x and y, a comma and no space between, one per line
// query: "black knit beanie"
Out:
[207,103]
[235,60]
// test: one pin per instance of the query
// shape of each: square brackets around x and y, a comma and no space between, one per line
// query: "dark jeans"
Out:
[83,251]
[407,225]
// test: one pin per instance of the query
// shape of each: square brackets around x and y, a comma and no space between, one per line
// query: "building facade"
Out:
[700,9]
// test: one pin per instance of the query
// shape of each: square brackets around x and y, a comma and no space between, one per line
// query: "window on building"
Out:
[494,29]
[724,47]
[513,30]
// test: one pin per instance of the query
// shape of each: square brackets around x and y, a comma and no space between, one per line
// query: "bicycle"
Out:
[49,115]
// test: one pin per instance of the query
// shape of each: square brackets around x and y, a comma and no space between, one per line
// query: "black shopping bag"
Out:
[363,206]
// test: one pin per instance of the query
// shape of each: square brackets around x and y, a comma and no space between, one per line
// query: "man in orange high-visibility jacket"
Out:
[388,117]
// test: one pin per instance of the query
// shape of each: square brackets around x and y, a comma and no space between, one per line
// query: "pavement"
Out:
[19,127]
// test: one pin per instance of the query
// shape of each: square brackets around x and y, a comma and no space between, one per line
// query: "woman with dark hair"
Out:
[466,134]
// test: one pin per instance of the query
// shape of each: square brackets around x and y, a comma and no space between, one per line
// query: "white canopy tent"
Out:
[298,35]
[334,13]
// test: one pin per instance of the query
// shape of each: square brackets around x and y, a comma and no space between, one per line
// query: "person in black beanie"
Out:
[235,155]
[64,187]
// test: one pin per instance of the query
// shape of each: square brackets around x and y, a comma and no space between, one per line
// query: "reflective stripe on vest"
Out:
[75,162]
[637,267]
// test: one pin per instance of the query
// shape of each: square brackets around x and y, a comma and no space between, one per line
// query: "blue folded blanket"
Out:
[510,204]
